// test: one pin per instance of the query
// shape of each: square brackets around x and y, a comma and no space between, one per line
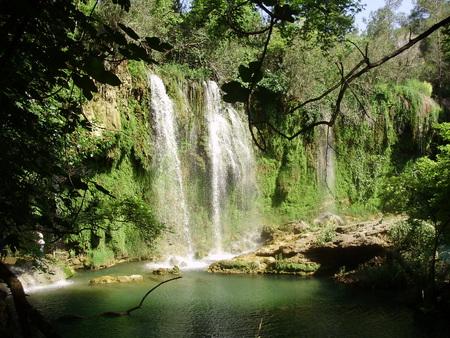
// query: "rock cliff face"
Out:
[298,249]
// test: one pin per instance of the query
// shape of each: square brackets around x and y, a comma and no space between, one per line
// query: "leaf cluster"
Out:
[423,189]
[53,54]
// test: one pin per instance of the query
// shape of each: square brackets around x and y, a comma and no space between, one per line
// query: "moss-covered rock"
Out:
[319,252]
[167,271]
[116,279]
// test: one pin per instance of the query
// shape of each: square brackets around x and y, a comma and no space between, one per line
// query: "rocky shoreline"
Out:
[324,249]
[296,248]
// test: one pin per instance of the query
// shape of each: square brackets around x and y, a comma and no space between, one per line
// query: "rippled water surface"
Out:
[211,305]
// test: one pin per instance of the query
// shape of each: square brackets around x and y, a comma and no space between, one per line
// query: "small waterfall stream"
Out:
[228,179]
[230,155]
[326,167]
[172,205]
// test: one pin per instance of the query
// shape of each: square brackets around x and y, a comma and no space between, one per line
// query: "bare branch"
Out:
[112,313]
[347,79]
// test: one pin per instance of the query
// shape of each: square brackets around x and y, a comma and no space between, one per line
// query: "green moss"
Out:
[138,70]
[238,265]
[286,267]
[68,271]
[102,257]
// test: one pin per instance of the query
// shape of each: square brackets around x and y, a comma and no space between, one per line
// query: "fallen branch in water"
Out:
[259,328]
[112,313]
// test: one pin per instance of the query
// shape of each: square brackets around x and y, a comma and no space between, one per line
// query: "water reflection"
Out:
[208,305]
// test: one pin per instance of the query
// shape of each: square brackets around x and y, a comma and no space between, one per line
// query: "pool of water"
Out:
[216,305]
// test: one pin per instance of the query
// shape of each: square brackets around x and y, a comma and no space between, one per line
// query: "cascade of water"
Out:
[172,205]
[326,168]
[230,154]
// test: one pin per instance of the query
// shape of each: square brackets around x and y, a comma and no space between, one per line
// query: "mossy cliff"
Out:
[366,147]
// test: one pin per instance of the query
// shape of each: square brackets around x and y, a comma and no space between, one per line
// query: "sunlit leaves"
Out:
[423,189]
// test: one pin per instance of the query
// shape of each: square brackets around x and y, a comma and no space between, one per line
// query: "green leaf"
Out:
[116,36]
[166,46]
[77,183]
[265,95]
[95,68]
[84,82]
[235,92]
[252,73]
[103,190]
[245,73]
[87,94]
[111,79]
[286,13]
[124,4]
[130,32]
[135,52]
[155,43]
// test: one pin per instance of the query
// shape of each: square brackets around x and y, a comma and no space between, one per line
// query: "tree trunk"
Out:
[26,313]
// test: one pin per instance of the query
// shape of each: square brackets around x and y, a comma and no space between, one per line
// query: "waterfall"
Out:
[204,183]
[172,205]
[231,157]
[326,168]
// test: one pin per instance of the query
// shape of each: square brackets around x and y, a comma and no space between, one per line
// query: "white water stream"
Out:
[231,156]
[326,167]
[172,205]
[228,179]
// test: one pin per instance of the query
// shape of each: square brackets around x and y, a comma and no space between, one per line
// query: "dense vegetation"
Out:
[83,179]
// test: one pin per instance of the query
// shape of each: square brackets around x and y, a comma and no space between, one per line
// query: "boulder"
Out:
[328,219]
[167,271]
[321,251]
[116,279]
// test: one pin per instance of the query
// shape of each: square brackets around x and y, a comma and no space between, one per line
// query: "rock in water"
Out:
[116,279]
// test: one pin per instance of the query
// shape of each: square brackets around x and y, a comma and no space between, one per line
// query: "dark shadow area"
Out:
[331,259]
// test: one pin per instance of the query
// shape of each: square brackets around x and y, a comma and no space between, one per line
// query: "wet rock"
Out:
[40,272]
[116,279]
[200,254]
[321,251]
[328,219]
[296,227]
[167,271]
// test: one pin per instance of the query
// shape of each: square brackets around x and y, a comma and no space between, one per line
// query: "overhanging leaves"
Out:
[156,44]
[235,92]
[252,73]
[130,32]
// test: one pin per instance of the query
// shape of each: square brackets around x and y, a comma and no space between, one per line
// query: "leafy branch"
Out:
[246,87]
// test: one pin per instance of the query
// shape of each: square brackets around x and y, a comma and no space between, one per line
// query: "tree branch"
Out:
[25,310]
[346,80]
[118,314]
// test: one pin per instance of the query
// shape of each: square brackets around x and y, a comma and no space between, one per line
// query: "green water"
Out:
[211,305]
